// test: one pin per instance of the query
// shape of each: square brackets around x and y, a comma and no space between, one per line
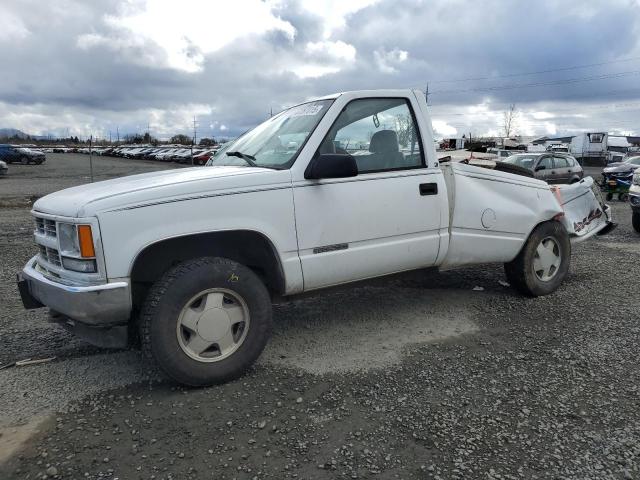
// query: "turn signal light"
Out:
[85,239]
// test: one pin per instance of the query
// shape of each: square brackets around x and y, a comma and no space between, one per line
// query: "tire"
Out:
[635,220]
[521,271]
[24,160]
[609,197]
[166,339]
[623,197]
[515,169]
[574,180]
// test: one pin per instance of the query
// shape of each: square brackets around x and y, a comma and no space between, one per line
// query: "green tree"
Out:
[180,139]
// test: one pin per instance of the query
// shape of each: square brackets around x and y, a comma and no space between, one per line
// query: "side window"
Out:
[546,162]
[561,162]
[380,133]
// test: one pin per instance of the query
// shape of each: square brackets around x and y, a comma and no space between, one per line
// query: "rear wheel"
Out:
[609,197]
[24,160]
[635,220]
[543,262]
[206,321]
[623,197]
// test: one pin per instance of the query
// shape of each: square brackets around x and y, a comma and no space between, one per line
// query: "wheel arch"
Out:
[248,247]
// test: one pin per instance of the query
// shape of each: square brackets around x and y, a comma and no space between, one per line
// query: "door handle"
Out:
[428,189]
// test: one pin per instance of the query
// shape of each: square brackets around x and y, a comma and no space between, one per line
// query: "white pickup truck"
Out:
[331,191]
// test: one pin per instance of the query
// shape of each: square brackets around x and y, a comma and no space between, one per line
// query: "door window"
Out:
[546,162]
[380,133]
[561,162]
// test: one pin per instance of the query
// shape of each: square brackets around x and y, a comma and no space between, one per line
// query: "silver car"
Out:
[552,167]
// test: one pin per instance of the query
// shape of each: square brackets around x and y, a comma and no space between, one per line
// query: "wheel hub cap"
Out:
[213,324]
[547,259]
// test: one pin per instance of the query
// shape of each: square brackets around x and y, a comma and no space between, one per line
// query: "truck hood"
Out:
[166,185]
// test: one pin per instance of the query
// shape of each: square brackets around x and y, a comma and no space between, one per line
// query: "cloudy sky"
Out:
[91,67]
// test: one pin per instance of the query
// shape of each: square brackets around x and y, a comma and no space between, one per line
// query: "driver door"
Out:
[384,220]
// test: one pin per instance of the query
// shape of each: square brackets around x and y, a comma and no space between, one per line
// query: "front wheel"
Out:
[543,262]
[206,321]
[635,220]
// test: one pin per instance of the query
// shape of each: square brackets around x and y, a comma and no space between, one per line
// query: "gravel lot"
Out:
[415,377]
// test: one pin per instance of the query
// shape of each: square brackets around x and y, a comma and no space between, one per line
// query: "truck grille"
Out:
[46,227]
[50,255]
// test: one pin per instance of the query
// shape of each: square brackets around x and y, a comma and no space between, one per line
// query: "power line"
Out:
[582,96]
[606,76]
[539,72]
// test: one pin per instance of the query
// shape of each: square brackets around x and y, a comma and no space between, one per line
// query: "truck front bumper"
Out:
[79,307]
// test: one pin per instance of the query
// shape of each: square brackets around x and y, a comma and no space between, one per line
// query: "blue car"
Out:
[13,154]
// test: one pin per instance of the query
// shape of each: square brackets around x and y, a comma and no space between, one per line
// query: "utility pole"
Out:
[426,94]
[194,138]
[91,157]
[118,133]
[271,112]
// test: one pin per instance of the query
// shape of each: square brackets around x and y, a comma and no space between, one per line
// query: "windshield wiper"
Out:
[250,159]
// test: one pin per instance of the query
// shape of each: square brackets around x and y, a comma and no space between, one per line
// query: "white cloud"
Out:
[333,12]
[12,28]
[442,128]
[195,28]
[542,115]
[339,50]
[388,62]
[313,71]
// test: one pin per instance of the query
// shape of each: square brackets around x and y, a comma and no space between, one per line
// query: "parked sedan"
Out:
[627,166]
[550,167]
[11,154]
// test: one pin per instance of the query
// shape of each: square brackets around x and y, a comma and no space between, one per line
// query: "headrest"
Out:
[384,141]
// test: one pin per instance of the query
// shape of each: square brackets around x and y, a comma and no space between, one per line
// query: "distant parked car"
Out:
[3,169]
[550,167]
[500,152]
[628,165]
[12,154]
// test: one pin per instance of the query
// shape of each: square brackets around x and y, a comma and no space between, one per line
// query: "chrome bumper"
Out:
[95,305]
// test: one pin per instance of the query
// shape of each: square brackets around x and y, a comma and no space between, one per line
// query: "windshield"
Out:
[276,142]
[634,160]
[525,161]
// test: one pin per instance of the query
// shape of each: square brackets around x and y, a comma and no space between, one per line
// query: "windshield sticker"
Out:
[304,110]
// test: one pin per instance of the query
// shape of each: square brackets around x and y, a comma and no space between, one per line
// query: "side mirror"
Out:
[331,165]
[540,167]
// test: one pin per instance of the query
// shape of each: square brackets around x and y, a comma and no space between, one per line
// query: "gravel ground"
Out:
[415,377]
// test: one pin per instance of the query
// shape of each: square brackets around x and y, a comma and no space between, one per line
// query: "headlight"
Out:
[68,238]
[76,241]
